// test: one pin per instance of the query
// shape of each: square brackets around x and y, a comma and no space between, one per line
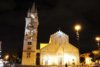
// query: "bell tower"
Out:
[30,37]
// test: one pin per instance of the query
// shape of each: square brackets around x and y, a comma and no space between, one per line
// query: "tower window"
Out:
[29,43]
[29,48]
[28,54]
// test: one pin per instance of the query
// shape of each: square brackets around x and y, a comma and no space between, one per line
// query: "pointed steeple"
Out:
[29,11]
[32,12]
[33,9]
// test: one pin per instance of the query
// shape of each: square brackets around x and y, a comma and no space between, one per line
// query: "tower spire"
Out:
[33,9]
[30,37]
[28,13]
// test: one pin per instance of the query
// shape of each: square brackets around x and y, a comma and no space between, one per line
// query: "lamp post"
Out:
[6,57]
[77,29]
[98,41]
[97,51]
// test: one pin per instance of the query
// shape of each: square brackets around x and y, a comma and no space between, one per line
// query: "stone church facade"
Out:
[57,52]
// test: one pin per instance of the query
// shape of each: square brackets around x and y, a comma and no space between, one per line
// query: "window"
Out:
[29,43]
[29,48]
[28,54]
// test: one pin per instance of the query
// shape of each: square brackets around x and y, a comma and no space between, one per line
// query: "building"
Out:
[87,58]
[59,51]
[30,38]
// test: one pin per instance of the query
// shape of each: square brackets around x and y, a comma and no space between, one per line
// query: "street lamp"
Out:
[98,41]
[77,28]
[6,57]
[97,52]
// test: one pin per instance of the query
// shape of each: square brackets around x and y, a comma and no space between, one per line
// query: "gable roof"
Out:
[59,40]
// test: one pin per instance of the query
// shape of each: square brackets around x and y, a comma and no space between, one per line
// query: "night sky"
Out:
[53,15]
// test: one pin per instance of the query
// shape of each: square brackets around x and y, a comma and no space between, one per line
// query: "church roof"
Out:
[60,33]
[58,40]
[59,36]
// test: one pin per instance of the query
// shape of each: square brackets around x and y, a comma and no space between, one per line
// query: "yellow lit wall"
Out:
[43,45]
[58,51]
[88,60]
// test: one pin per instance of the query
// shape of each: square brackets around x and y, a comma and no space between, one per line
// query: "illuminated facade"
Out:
[88,59]
[59,51]
[30,38]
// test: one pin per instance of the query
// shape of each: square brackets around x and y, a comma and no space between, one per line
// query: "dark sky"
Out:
[53,15]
